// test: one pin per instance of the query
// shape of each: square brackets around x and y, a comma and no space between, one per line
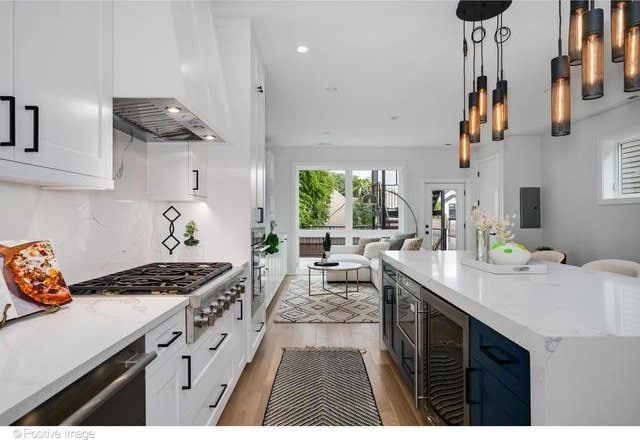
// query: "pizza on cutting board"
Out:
[34,270]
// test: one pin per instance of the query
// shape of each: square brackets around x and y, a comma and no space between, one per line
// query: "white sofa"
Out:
[371,270]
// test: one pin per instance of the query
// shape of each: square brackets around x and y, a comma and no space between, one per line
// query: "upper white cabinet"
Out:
[7,104]
[258,153]
[177,171]
[62,73]
[170,50]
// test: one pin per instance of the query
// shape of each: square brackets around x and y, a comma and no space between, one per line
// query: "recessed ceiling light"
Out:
[302,49]
[173,109]
[332,89]
[209,137]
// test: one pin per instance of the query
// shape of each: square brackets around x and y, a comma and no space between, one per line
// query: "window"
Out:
[620,170]
[347,203]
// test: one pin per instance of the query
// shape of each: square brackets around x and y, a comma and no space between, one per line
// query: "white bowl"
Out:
[510,253]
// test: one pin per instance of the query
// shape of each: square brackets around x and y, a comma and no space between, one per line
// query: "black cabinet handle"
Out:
[260,328]
[188,386]
[261,215]
[12,121]
[224,336]
[487,350]
[239,301]
[36,128]
[224,390]
[259,89]
[176,335]
[197,187]
[467,385]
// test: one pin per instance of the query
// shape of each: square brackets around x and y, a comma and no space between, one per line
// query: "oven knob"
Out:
[200,320]
[223,302]
[211,316]
[230,296]
[240,288]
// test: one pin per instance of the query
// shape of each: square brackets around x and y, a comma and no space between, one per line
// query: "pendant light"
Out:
[632,48]
[576,27]
[617,29]
[481,84]
[503,34]
[464,145]
[560,88]
[477,35]
[497,106]
[593,54]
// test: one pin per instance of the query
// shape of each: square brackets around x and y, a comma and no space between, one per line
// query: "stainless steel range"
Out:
[210,287]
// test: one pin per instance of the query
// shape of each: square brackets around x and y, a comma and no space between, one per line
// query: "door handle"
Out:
[36,128]
[197,187]
[12,121]
[176,335]
[260,328]
[224,336]
[241,309]
[261,220]
[224,390]
[188,385]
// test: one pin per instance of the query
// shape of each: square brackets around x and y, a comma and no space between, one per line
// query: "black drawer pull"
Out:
[260,328]
[197,187]
[12,121]
[36,128]
[239,301]
[224,336]
[224,390]
[188,386]
[176,335]
[487,350]
[467,385]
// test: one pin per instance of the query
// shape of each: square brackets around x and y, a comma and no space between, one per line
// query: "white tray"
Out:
[505,269]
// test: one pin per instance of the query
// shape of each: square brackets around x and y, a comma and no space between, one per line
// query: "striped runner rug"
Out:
[321,387]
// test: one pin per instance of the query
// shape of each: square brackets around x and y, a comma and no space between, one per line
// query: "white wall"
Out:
[418,163]
[92,232]
[572,220]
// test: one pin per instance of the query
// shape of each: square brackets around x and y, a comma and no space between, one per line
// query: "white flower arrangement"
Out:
[499,225]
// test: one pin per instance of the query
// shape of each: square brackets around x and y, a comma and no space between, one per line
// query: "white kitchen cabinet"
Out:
[177,171]
[162,376]
[257,330]
[240,327]
[63,90]
[258,153]
[6,80]
[276,270]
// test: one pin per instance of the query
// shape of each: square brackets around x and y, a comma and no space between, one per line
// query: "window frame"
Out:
[609,168]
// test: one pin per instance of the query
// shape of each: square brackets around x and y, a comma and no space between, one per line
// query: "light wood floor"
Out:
[249,399]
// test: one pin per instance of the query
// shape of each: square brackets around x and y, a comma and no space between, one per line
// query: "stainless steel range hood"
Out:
[160,119]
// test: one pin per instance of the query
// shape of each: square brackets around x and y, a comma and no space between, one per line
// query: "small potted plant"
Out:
[326,245]
[190,230]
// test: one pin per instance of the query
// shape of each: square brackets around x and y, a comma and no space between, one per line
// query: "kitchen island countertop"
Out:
[581,328]
[43,353]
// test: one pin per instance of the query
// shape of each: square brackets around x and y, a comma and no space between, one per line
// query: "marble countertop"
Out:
[42,354]
[581,328]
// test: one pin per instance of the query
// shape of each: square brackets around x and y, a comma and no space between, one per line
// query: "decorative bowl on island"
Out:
[509,253]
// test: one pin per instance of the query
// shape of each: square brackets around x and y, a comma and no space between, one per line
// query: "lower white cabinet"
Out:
[257,330]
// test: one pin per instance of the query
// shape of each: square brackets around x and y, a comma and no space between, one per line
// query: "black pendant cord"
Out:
[482,50]
[559,28]
[501,50]
[497,51]
[464,70]
[474,58]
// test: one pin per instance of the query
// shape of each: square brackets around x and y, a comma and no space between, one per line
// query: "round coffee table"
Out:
[342,266]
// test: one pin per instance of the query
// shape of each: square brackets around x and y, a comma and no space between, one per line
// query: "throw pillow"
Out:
[372,250]
[398,240]
[362,242]
[412,244]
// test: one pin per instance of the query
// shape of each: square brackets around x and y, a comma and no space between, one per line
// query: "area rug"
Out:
[321,387]
[297,306]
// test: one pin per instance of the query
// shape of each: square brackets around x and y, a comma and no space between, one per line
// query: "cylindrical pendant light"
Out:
[617,30]
[632,48]
[474,118]
[560,96]
[497,115]
[464,146]
[593,55]
[481,87]
[576,26]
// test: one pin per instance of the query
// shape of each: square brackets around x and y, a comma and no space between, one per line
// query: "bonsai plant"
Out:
[190,230]
[326,245]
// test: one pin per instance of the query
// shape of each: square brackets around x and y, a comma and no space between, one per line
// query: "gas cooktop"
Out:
[153,278]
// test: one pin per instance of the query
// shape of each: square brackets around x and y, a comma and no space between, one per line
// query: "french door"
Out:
[444,227]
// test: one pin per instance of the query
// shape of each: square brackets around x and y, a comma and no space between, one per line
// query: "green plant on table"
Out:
[190,230]
[273,241]
[326,242]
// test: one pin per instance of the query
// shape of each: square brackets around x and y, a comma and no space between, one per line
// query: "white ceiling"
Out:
[400,58]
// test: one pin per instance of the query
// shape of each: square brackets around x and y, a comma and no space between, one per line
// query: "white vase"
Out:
[482,245]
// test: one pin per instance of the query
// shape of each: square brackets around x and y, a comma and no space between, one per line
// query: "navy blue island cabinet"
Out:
[498,379]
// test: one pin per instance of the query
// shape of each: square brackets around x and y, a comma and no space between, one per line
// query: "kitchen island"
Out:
[581,329]
[43,353]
